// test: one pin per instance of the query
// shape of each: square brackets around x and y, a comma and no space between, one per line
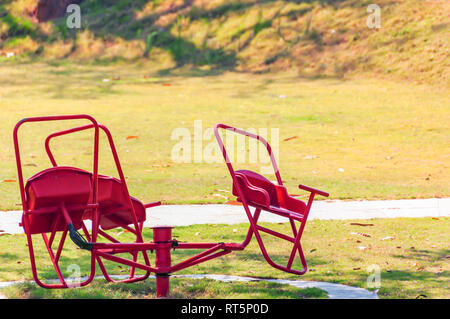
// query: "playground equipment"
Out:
[63,200]
[253,189]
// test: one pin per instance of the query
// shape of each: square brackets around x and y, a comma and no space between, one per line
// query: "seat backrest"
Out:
[58,184]
[256,188]
[49,188]
[114,206]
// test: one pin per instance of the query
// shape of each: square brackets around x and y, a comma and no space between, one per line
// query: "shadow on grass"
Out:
[180,288]
[426,255]
[112,19]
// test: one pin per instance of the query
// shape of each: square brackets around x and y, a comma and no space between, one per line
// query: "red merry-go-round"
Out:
[64,200]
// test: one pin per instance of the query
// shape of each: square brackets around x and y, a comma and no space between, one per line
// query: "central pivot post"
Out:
[162,236]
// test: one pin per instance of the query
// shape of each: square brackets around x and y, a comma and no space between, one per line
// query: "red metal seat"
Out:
[262,193]
[114,210]
[61,199]
[72,186]
[254,190]
[45,192]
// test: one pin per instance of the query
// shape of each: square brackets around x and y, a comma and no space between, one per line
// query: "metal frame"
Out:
[162,244]
[253,218]
[26,212]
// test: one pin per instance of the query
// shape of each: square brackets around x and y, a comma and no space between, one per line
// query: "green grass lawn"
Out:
[356,139]
[180,288]
[411,254]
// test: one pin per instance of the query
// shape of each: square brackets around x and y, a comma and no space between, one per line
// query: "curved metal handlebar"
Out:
[55,118]
[313,190]
[251,135]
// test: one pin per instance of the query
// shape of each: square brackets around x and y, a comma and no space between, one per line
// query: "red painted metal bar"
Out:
[55,225]
[162,235]
[253,224]
[153,204]
[107,236]
[116,160]
[26,222]
[275,233]
[138,226]
[123,261]
[196,257]
[251,135]
[162,238]
[242,197]
[299,234]
[54,262]
[61,245]
[204,259]
[313,190]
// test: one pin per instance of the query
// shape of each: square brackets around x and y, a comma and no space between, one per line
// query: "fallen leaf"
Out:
[233,202]
[358,268]
[361,234]
[312,250]
[31,164]
[290,138]
[8,181]
[222,190]
[161,165]
[435,218]
[386,238]
[220,195]
[360,224]
[131,136]
[167,84]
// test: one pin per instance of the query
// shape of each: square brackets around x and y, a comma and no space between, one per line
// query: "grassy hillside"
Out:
[322,38]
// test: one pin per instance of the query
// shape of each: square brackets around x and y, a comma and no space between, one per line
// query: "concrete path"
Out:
[183,215]
[335,291]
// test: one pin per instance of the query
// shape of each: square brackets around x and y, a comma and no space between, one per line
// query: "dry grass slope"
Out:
[322,38]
